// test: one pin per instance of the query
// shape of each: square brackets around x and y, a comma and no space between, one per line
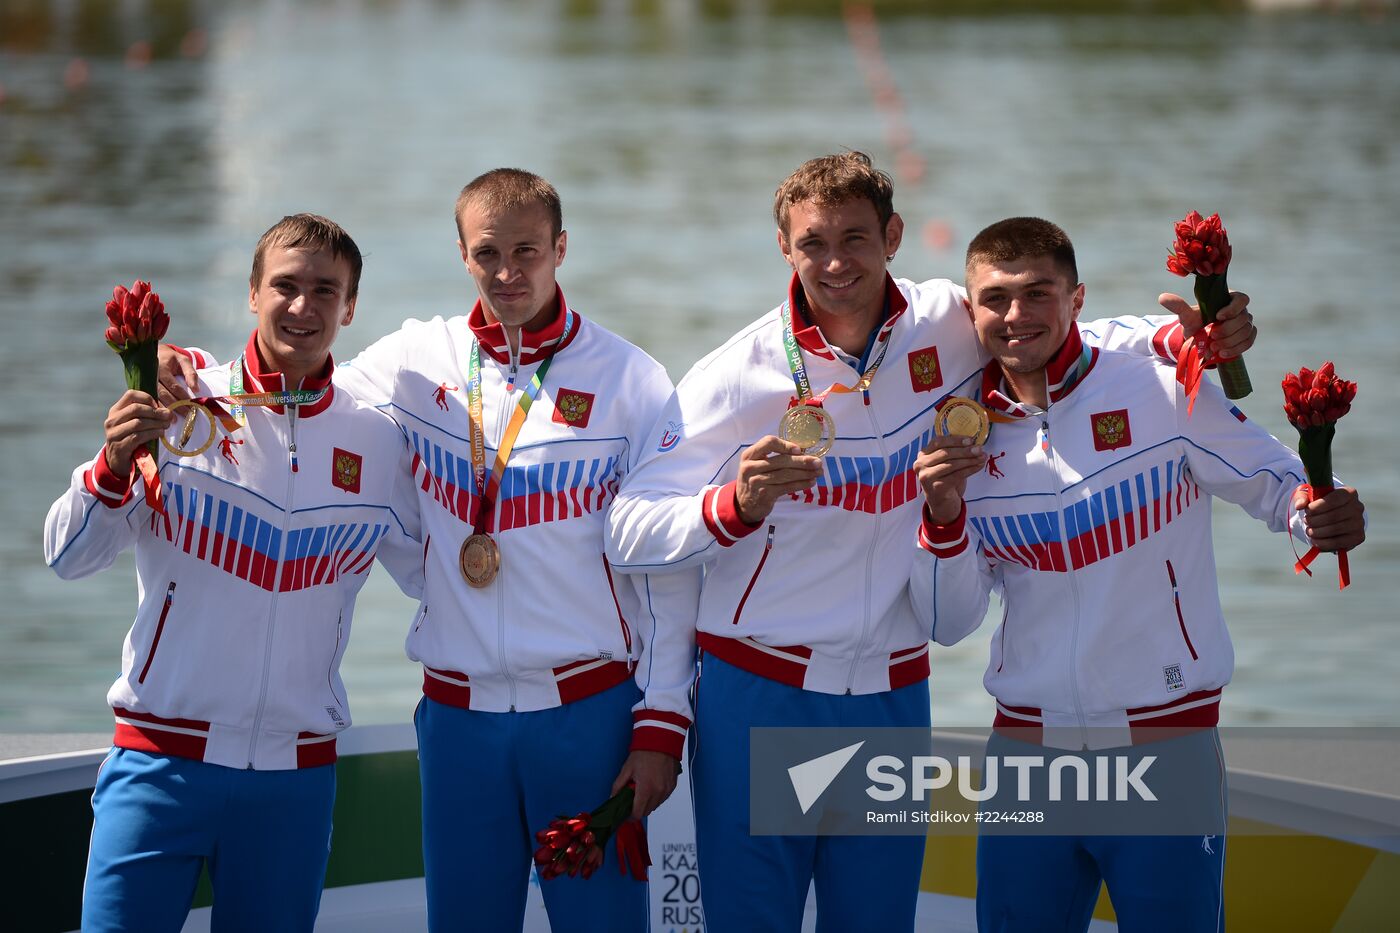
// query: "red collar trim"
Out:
[1065,370]
[258,378]
[535,345]
[809,336]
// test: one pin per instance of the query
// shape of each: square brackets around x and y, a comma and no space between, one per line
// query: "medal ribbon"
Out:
[799,369]
[238,400]
[488,484]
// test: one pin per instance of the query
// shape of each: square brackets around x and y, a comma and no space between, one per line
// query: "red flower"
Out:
[135,316]
[1312,399]
[567,846]
[1202,246]
[577,845]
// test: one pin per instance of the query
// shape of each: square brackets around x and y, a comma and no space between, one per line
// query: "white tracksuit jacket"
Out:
[1094,527]
[816,595]
[557,624]
[247,586]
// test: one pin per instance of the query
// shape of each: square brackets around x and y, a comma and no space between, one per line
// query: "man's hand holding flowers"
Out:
[132,423]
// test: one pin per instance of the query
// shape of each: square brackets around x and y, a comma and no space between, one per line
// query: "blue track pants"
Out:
[490,781]
[760,882]
[1028,883]
[158,819]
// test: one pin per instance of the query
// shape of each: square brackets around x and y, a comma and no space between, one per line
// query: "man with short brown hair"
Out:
[1096,533]
[784,464]
[230,698]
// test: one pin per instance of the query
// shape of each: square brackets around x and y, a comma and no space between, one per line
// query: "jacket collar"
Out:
[1066,370]
[809,336]
[257,377]
[535,345]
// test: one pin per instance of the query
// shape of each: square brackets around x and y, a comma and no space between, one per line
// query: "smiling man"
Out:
[230,696]
[784,464]
[1095,530]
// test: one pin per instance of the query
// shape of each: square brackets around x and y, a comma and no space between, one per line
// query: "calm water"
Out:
[666,126]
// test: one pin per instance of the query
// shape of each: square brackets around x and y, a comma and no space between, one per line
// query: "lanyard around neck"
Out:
[799,368]
[487,485]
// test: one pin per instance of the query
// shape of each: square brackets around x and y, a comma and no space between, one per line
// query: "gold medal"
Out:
[809,426]
[480,560]
[184,443]
[963,416]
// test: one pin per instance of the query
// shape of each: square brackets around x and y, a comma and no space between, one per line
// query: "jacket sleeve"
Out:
[1232,457]
[1159,335]
[676,508]
[952,579]
[666,667]
[90,524]
[401,551]
[202,359]
[670,607]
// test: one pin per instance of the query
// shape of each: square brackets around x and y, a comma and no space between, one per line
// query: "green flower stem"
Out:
[142,374]
[613,812]
[1315,450]
[1212,294]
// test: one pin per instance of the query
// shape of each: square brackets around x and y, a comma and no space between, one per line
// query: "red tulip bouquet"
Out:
[576,845]
[1314,402]
[1202,248]
[136,322]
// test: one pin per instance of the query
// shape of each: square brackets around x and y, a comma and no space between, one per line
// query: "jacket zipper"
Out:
[500,588]
[1180,620]
[292,427]
[281,573]
[160,627]
[869,560]
[763,559]
[1049,449]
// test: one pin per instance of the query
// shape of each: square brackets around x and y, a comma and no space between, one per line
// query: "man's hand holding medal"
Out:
[954,454]
[769,470]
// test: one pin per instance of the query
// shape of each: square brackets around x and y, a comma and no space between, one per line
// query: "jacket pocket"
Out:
[763,559]
[160,627]
[1180,619]
[626,631]
[335,662]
